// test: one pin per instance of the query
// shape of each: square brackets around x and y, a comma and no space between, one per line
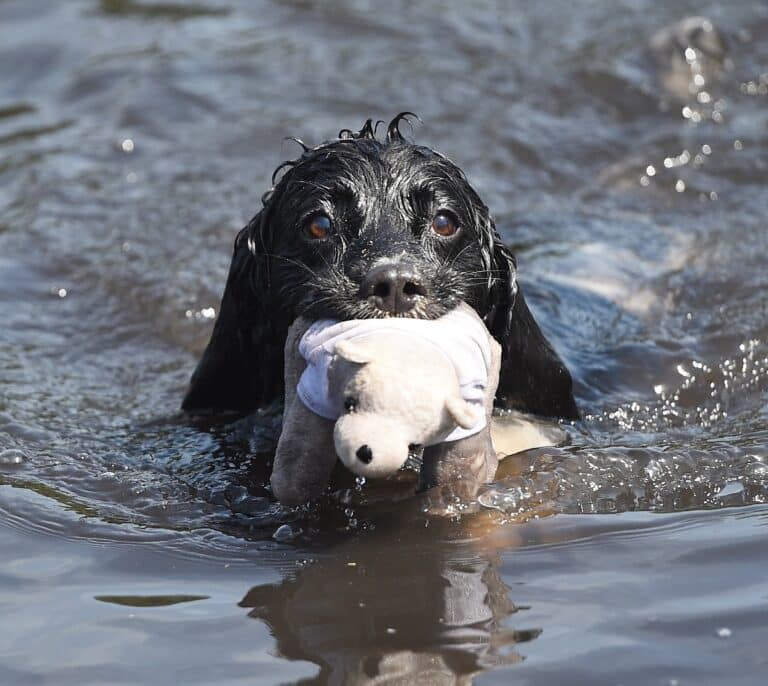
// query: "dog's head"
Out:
[359,228]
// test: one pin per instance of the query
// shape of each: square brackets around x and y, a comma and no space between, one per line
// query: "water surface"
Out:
[136,138]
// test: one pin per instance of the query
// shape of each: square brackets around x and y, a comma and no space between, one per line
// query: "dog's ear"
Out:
[242,367]
[533,378]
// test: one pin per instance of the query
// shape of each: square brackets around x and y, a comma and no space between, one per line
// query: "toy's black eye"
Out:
[445,225]
[350,403]
[319,227]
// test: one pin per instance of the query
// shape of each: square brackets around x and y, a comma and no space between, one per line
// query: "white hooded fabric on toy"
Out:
[459,336]
[391,383]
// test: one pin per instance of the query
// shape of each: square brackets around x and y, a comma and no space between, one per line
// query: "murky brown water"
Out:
[136,137]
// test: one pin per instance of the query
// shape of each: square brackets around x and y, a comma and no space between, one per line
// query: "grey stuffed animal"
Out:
[379,387]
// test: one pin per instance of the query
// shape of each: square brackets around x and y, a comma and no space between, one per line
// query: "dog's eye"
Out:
[444,225]
[350,404]
[319,227]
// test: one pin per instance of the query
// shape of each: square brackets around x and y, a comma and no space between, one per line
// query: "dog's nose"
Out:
[393,287]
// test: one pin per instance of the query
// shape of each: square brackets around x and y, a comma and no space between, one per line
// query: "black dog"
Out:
[357,228]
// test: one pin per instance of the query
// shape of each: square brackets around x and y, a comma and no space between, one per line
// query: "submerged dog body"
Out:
[359,228]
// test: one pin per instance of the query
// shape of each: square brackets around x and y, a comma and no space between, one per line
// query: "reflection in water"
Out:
[394,608]
[149,600]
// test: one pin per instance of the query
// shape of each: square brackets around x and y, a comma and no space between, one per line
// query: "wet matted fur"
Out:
[378,197]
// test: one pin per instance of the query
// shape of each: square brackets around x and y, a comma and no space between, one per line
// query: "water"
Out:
[138,546]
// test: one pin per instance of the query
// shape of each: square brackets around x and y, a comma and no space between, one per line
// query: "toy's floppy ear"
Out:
[242,367]
[353,352]
[462,412]
[533,378]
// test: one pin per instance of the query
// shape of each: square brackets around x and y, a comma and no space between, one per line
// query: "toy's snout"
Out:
[370,446]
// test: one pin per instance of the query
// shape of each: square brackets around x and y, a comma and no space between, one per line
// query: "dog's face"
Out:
[359,228]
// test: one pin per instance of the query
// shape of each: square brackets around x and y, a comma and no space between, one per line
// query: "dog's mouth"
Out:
[341,308]
[422,308]
[350,302]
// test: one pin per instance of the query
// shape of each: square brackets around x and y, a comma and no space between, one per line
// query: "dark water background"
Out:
[138,547]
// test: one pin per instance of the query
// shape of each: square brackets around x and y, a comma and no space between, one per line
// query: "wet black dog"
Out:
[359,227]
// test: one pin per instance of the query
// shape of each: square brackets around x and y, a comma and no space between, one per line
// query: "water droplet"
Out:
[205,313]
[127,145]
[724,632]
[285,533]
[249,505]
[737,145]
[12,456]
[650,170]
[680,185]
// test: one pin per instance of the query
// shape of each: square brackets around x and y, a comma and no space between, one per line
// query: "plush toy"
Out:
[398,391]
[368,391]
